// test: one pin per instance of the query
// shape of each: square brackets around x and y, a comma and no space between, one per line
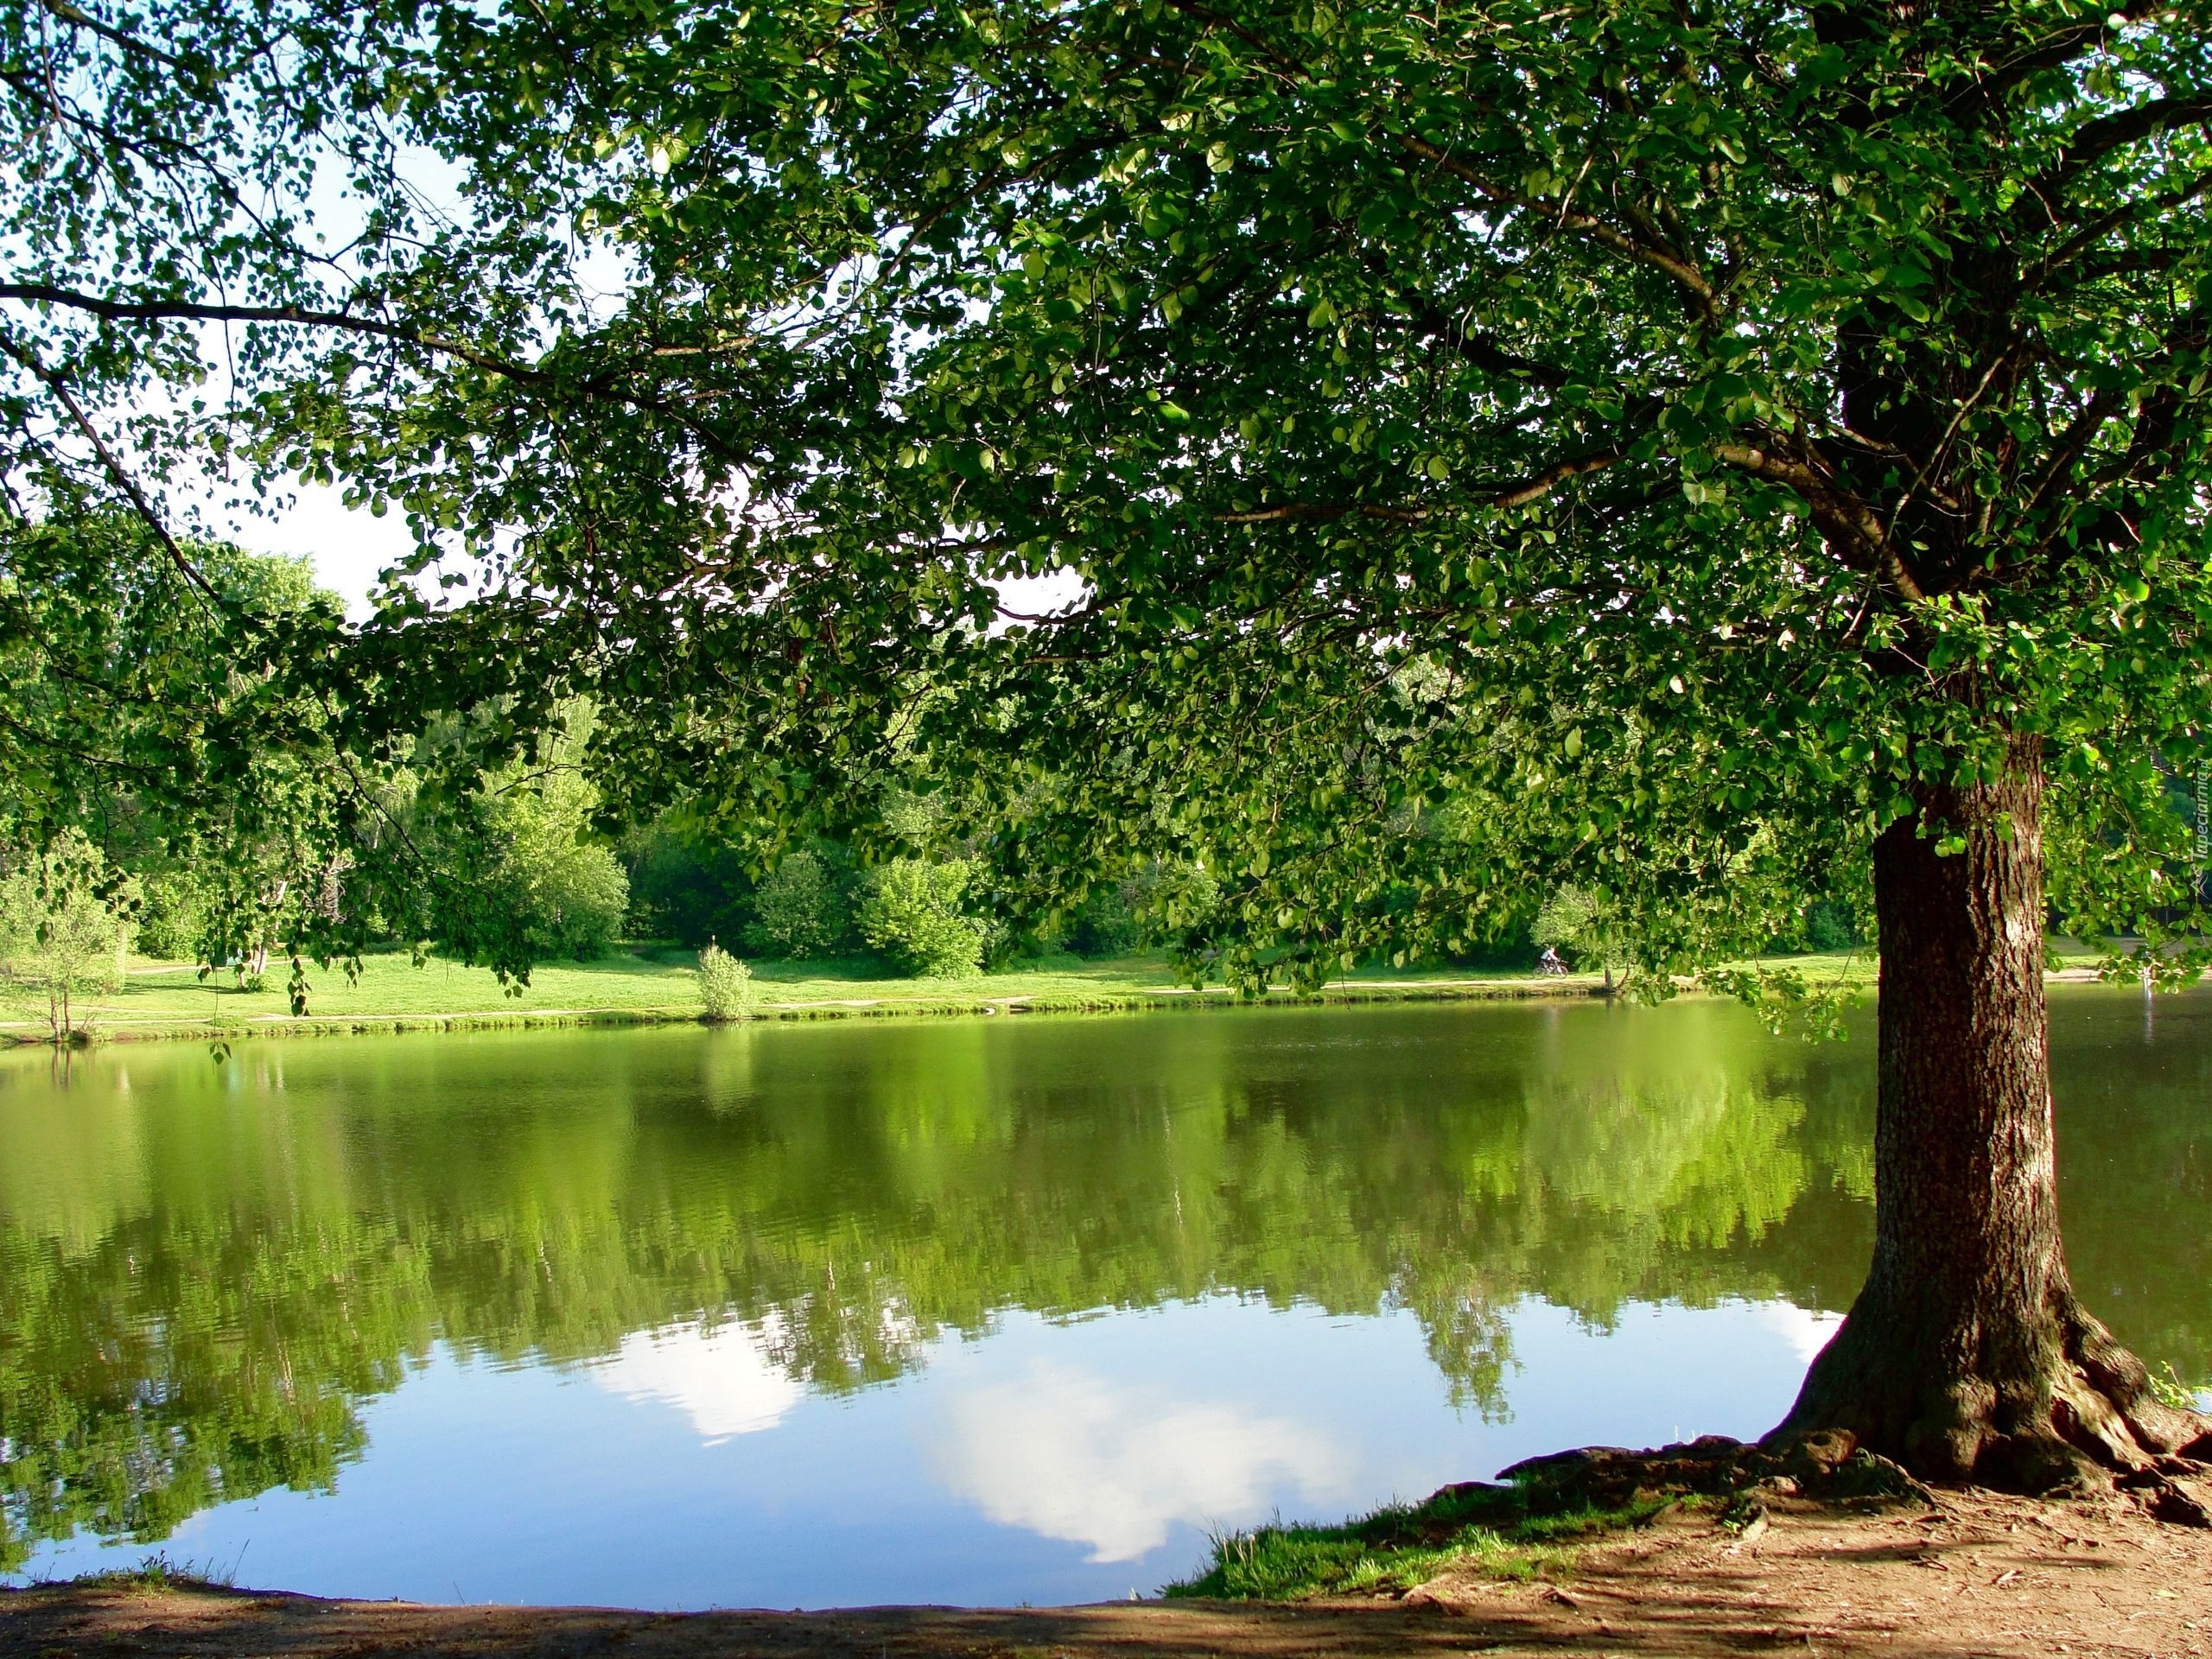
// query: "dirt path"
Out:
[1981,1575]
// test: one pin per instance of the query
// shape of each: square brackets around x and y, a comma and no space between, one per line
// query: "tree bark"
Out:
[1966,1356]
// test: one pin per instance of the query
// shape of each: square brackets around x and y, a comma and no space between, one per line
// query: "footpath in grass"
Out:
[647,984]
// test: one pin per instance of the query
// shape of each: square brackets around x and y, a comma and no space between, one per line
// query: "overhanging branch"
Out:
[1518,493]
[1685,276]
[113,466]
[1840,514]
[110,311]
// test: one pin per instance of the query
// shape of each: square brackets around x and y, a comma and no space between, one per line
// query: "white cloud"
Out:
[1070,1455]
[722,1380]
[349,546]
[1804,1330]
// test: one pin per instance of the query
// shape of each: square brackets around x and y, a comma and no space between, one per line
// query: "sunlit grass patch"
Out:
[155,1571]
[1402,1545]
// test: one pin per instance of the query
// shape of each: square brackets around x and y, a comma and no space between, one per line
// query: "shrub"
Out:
[565,894]
[173,917]
[1106,924]
[909,912]
[1829,927]
[801,910]
[65,926]
[726,985]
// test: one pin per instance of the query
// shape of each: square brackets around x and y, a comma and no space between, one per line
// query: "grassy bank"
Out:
[1489,1529]
[652,985]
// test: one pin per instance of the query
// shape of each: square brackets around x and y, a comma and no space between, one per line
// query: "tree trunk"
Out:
[1967,1355]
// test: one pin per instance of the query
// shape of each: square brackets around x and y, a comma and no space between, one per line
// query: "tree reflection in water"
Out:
[203,1268]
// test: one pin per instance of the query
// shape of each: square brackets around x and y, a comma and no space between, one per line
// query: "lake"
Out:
[974,1311]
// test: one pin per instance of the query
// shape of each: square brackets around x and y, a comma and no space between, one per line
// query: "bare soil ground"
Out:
[1981,1574]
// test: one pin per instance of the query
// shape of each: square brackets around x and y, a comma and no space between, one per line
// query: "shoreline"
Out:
[1978,1573]
[965,1000]
[26,1033]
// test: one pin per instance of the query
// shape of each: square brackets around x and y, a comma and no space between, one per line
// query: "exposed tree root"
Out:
[1827,1465]
[2058,1404]
[1823,1464]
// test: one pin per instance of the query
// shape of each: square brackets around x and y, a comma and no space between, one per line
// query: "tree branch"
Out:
[1837,511]
[1543,483]
[1685,276]
[189,311]
[345,321]
[1324,511]
[2096,139]
[69,13]
[1519,493]
[2048,53]
[113,466]
[1484,352]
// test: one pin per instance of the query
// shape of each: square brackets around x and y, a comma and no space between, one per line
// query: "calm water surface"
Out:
[979,1310]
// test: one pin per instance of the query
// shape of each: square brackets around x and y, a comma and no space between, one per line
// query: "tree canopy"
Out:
[1433,408]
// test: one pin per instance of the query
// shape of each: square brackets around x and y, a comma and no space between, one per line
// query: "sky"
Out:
[348,547]
[350,550]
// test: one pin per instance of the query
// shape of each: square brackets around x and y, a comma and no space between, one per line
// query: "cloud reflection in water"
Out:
[1068,1454]
[723,1380]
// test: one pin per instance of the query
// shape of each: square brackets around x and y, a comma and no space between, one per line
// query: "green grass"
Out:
[1489,1528]
[156,1571]
[653,984]
[649,983]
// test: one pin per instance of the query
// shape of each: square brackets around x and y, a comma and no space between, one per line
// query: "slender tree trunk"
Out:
[1967,1355]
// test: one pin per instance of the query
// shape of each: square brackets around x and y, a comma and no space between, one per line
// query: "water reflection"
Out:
[725,1381]
[1070,1455]
[207,1274]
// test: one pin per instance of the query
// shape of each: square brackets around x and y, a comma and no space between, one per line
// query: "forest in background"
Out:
[524,862]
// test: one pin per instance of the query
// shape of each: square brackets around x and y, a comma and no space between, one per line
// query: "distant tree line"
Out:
[484,838]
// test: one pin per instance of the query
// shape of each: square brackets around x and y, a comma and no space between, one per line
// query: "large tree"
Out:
[1694,451]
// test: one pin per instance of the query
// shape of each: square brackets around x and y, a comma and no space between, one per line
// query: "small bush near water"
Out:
[725,985]
[1401,1545]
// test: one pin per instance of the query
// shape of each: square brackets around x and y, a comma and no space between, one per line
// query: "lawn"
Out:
[658,982]
[649,982]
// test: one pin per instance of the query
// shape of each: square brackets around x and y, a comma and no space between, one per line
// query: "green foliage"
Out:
[1105,924]
[567,895]
[1672,438]
[172,914]
[144,702]
[909,911]
[1830,927]
[726,986]
[523,875]
[1161,901]
[685,885]
[2168,1388]
[1401,1545]
[1576,920]
[802,911]
[65,926]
